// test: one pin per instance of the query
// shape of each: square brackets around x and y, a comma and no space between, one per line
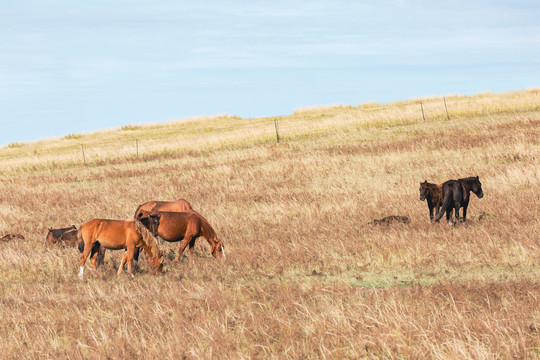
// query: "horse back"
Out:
[112,234]
[174,225]
[179,205]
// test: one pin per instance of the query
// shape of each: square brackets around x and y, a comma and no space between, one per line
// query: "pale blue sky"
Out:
[77,66]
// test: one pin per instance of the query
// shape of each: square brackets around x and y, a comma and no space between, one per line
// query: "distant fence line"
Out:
[84,147]
[81,148]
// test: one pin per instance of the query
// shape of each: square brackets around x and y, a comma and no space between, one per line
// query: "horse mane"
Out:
[147,238]
[470,178]
[208,229]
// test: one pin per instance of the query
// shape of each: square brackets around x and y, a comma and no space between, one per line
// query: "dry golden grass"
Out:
[306,276]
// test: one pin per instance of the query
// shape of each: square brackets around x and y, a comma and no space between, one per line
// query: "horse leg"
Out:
[124,258]
[101,255]
[458,205]
[94,255]
[87,249]
[191,246]
[182,246]
[136,253]
[431,213]
[465,211]
[437,209]
[129,254]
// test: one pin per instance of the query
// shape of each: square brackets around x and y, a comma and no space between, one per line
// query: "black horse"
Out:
[456,195]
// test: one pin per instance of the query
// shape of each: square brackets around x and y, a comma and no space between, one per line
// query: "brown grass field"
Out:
[305,276]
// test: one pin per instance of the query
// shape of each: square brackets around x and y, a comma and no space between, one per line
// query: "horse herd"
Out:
[450,195]
[173,221]
[176,221]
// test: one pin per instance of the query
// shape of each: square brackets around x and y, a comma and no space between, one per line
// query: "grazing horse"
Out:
[433,194]
[187,227]
[179,205]
[120,234]
[456,194]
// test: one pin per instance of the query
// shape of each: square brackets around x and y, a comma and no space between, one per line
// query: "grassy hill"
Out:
[305,275]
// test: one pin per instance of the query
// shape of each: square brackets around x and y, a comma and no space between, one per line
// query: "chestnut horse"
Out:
[179,205]
[120,234]
[456,194]
[433,194]
[187,227]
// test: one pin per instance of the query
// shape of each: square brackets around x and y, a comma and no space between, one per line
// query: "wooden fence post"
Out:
[137,146]
[276,125]
[82,149]
[447,116]
[423,116]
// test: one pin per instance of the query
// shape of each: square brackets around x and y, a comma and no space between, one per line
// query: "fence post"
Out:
[276,125]
[82,149]
[423,116]
[137,146]
[447,117]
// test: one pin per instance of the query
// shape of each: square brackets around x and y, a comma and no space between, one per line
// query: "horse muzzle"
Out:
[481,195]
[422,198]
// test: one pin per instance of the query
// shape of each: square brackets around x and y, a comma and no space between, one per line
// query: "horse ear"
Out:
[477,178]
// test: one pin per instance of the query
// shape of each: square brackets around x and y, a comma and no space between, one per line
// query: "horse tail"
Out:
[148,239]
[80,240]
[445,205]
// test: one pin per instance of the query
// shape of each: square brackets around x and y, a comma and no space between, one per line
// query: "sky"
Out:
[79,66]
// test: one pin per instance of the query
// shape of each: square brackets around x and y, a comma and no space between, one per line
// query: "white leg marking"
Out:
[223,251]
[81,272]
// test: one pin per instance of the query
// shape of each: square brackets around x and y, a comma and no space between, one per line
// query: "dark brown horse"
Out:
[187,227]
[433,194]
[120,234]
[179,205]
[54,235]
[456,195]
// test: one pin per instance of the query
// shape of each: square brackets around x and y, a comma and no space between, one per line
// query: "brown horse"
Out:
[187,227]
[179,205]
[433,194]
[54,235]
[456,194]
[120,234]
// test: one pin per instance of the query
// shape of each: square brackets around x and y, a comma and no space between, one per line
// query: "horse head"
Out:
[156,264]
[50,239]
[423,190]
[150,220]
[477,187]
[218,250]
